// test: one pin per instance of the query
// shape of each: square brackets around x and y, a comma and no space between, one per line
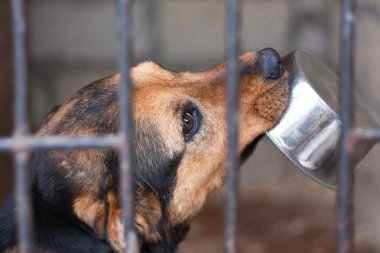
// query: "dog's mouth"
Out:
[271,104]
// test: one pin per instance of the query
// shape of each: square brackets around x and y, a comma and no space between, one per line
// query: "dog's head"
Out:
[181,130]
[180,124]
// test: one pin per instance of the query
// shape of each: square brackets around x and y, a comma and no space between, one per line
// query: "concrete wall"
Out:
[73,42]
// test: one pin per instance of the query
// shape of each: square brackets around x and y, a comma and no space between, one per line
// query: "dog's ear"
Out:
[114,223]
[148,214]
[156,163]
[155,178]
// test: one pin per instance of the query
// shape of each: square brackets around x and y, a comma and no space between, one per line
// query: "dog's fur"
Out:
[75,193]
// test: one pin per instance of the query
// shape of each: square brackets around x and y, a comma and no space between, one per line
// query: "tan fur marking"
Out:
[115,224]
[91,211]
[12,250]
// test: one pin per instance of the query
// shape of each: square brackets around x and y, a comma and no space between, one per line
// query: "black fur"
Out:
[248,150]
[157,171]
[7,226]
[155,168]
[91,108]
[57,228]
[172,236]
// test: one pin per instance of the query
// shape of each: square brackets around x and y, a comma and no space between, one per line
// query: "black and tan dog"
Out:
[180,145]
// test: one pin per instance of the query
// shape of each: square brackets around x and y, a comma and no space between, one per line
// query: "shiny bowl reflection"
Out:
[309,131]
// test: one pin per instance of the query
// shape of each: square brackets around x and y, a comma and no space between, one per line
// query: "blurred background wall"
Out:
[73,42]
[5,96]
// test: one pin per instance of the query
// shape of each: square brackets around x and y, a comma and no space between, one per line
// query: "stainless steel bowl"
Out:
[308,133]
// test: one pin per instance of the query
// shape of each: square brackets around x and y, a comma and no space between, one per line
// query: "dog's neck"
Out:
[153,226]
[153,223]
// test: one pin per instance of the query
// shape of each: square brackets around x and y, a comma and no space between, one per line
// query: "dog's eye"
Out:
[190,123]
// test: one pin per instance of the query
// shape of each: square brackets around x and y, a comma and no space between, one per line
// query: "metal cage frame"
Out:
[22,143]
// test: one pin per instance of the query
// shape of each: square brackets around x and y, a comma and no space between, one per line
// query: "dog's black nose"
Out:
[270,63]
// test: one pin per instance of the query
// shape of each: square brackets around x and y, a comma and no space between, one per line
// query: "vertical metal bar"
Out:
[19,61]
[345,224]
[127,158]
[233,50]
[23,202]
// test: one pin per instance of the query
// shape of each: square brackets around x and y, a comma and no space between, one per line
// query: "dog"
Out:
[180,138]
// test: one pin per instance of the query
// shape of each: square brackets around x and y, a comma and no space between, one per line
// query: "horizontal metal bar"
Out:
[60,142]
[365,134]
[362,135]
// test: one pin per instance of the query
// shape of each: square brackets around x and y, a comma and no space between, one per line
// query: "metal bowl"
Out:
[309,131]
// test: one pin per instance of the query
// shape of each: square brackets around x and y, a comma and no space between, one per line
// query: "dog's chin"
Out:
[248,150]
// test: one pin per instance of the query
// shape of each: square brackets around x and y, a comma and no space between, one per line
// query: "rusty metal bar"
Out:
[23,201]
[345,226]
[233,51]
[59,142]
[127,156]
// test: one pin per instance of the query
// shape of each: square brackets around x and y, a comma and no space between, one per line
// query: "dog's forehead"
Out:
[150,73]
[158,88]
